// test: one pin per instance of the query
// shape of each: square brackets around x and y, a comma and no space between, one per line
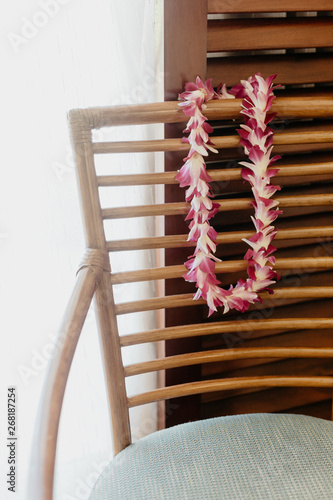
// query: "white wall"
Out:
[57,55]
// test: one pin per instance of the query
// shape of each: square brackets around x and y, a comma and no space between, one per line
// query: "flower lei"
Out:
[256,138]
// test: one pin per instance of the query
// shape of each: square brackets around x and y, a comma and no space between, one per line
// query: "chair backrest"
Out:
[308,137]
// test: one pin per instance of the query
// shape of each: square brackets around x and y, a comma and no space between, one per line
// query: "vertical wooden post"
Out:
[82,122]
[185,33]
[185,44]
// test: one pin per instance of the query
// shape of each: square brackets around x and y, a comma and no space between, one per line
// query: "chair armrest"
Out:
[47,423]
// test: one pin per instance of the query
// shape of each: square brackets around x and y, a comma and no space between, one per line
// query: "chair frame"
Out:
[95,279]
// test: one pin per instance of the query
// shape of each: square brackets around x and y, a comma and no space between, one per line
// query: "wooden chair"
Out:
[246,456]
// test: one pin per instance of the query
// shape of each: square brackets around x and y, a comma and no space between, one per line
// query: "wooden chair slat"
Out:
[227,384]
[219,327]
[291,69]
[182,208]
[320,104]
[303,137]
[198,358]
[186,299]
[157,145]
[225,6]
[180,240]
[220,142]
[233,35]
[316,104]
[171,272]
[264,365]
[216,175]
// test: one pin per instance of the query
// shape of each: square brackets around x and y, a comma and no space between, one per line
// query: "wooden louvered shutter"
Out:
[291,38]
[294,39]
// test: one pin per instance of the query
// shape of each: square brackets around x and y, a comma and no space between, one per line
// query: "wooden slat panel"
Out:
[180,240]
[182,208]
[272,366]
[291,69]
[324,148]
[232,35]
[232,141]
[160,145]
[320,104]
[295,250]
[294,367]
[217,385]
[278,365]
[226,327]
[227,6]
[226,355]
[137,179]
[186,299]
[280,336]
[170,272]
[272,338]
[294,276]
[308,215]
[217,175]
[270,401]
[286,183]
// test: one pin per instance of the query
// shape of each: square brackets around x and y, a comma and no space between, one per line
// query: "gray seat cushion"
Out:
[255,456]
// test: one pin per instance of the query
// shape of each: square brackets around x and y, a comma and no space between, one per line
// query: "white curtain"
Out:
[57,55]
